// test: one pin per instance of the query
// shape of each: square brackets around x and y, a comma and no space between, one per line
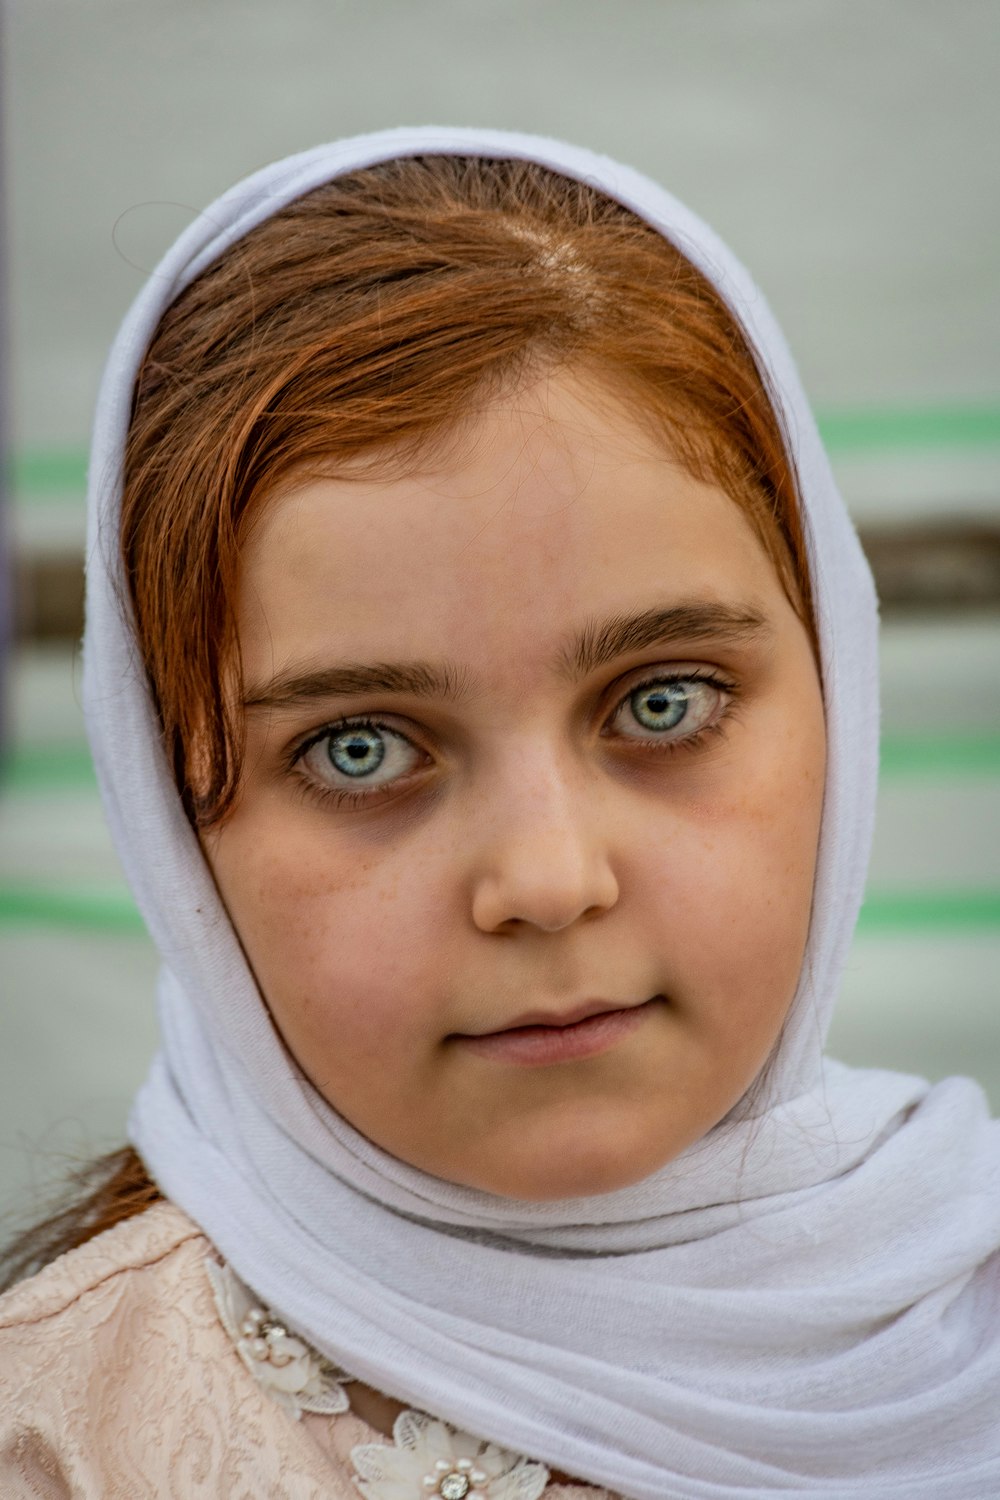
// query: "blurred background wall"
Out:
[846,148]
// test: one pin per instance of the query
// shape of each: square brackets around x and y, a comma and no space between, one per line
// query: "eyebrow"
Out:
[418,679]
[601,643]
[596,645]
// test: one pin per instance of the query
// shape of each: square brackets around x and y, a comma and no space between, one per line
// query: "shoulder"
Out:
[144,1249]
[117,1377]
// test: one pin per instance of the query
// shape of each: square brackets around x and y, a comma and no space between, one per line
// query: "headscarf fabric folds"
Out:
[805,1303]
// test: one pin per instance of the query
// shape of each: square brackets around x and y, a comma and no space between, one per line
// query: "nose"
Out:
[543,858]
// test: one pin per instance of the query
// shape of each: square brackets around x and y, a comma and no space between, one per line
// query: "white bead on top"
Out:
[286,1366]
[430,1458]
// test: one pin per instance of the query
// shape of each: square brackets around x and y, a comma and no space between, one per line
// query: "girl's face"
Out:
[524,856]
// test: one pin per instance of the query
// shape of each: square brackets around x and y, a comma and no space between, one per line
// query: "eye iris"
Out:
[660,707]
[357,752]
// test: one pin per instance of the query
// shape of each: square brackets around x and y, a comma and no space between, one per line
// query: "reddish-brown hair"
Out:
[99,1194]
[367,318]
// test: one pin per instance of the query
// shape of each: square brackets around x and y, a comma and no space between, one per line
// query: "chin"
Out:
[557,1170]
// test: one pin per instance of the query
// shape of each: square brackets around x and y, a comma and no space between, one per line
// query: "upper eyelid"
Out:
[672,674]
[298,755]
[358,794]
[644,678]
[710,678]
[646,675]
[313,737]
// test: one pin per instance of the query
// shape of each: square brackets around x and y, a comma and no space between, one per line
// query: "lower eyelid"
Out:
[361,784]
[726,693]
[367,791]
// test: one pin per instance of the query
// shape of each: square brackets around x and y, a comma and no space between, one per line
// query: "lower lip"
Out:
[538,1046]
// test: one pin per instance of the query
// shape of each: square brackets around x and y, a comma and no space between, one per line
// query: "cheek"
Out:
[734,888]
[338,937]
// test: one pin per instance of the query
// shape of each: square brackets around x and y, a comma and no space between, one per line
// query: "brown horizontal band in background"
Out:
[935,565]
[925,568]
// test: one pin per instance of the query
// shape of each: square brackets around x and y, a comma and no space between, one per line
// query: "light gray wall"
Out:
[846,148]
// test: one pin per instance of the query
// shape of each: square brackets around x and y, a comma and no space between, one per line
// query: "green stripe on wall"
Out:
[889,429]
[95,910]
[903,429]
[44,768]
[939,755]
[929,913]
[40,471]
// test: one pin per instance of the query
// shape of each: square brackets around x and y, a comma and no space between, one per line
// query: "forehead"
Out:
[549,508]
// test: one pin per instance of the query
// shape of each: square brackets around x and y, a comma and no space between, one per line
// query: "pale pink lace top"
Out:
[118,1379]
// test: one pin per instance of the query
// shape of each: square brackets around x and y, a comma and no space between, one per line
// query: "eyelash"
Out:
[344,797]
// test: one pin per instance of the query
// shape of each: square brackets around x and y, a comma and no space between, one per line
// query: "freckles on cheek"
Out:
[296,897]
[733,890]
[328,940]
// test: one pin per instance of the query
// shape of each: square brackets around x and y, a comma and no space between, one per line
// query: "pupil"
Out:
[357,752]
[661,707]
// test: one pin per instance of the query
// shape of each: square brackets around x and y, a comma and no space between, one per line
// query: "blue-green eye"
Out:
[367,755]
[356,752]
[671,708]
[660,707]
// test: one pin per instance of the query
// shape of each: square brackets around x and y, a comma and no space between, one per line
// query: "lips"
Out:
[560,1019]
[544,1038]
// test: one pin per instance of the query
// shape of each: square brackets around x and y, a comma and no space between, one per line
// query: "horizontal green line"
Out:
[39,471]
[898,429]
[112,910]
[94,910]
[55,768]
[43,768]
[926,911]
[939,755]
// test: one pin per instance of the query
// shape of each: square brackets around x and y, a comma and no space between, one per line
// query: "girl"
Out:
[480,670]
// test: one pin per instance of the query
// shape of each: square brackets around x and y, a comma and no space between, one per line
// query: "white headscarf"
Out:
[805,1303]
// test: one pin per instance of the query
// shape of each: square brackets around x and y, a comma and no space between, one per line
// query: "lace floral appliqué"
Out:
[431,1459]
[296,1376]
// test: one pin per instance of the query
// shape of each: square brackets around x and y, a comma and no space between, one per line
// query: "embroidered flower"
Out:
[296,1376]
[431,1459]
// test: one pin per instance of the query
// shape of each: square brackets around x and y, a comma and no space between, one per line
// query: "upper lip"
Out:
[581,1012]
